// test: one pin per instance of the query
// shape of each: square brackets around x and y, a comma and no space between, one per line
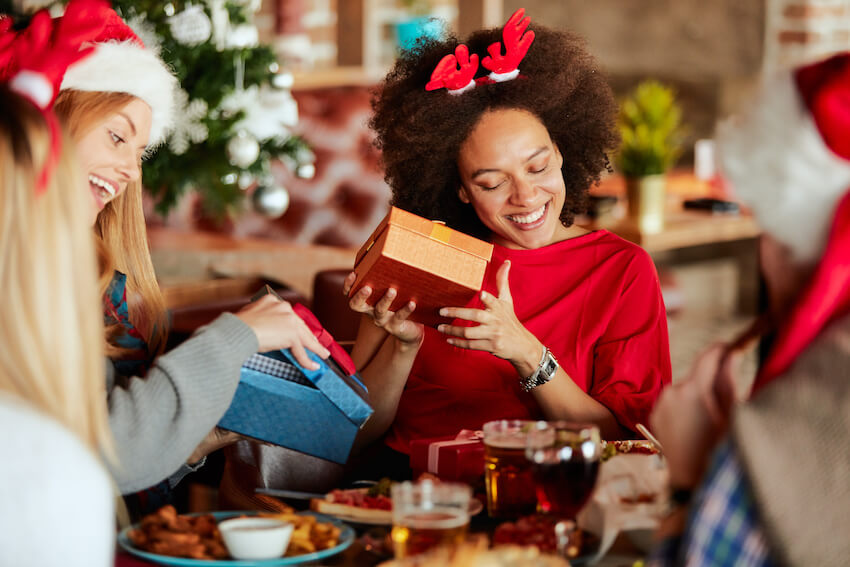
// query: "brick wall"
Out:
[799,31]
[709,51]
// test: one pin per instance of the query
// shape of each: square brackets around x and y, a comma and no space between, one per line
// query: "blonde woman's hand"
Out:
[277,326]
[395,323]
[216,439]
[692,414]
[498,331]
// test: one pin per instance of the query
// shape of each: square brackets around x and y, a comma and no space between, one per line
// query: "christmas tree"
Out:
[237,110]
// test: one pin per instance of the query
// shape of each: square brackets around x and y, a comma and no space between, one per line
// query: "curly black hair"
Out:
[420,132]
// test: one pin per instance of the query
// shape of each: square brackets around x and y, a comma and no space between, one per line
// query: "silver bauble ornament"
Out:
[191,27]
[270,200]
[243,149]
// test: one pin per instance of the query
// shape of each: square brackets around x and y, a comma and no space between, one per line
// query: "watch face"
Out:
[550,367]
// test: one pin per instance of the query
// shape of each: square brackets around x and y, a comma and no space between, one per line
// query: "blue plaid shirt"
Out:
[723,527]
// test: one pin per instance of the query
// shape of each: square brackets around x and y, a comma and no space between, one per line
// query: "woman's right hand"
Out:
[277,326]
[395,323]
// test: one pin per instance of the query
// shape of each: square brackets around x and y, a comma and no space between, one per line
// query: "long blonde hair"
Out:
[51,347]
[120,226]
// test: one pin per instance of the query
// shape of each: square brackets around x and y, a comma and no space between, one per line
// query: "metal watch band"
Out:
[545,371]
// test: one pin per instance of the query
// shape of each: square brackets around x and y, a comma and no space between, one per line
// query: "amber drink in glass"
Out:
[507,471]
[427,515]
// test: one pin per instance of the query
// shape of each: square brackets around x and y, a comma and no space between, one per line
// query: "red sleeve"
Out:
[632,357]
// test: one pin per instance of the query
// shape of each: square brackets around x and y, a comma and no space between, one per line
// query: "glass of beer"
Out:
[507,472]
[428,514]
[564,461]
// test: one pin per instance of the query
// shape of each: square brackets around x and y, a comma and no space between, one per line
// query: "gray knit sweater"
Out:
[158,420]
[794,442]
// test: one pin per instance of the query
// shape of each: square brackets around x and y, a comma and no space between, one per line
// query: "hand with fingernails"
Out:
[395,323]
[277,326]
[499,331]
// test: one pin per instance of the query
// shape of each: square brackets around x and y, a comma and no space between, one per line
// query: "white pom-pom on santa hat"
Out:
[783,164]
[122,63]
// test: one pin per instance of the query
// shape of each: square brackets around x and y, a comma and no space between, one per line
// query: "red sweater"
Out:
[595,301]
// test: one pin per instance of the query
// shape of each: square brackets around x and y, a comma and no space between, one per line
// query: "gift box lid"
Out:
[434,230]
[336,384]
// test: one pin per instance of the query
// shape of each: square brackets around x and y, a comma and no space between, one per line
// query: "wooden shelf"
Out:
[337,77]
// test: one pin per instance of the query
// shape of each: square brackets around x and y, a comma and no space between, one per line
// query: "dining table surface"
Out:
[622,553]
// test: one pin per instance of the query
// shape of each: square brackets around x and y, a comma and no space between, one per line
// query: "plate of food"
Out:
[539,531]
[193,540]
[628,447]
[367,506]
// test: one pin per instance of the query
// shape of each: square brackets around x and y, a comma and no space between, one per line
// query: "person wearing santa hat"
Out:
[52,407]
[118,105]
[767,481]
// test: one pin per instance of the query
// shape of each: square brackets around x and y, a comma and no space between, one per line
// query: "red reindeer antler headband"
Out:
[34,62]
[456,72]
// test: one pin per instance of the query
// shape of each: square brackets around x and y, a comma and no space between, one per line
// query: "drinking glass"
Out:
[507,472]
[428,514]
[564,460]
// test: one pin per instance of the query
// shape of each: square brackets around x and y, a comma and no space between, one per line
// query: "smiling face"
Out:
[510,173]
[111,151]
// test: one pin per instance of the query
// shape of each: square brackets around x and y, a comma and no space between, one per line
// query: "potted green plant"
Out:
[650,124]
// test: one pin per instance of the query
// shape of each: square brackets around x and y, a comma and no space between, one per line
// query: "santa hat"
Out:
[34,62]
[122,63]
[788,158]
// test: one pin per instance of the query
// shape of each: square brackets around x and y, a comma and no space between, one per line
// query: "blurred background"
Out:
[287,193]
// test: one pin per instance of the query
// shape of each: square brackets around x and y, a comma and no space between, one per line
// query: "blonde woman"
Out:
[57,495]
[118,104]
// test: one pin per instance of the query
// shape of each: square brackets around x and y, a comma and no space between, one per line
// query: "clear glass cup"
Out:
[507,472]
[427,515]
[564,461]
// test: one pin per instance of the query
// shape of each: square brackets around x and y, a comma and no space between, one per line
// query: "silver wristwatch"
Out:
[545,371]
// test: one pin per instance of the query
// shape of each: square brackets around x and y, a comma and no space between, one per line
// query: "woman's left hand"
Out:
[216,439]
[498,331]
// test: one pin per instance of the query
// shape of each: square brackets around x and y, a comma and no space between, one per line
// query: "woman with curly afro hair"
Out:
[570,324]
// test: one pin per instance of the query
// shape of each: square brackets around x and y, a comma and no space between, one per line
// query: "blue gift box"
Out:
[317,412]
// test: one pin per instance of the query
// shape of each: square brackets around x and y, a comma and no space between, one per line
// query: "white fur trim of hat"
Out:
[127,67]
[779,165]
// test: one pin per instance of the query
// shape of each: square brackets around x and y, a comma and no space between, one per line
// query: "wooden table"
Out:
[690,235]
[181,257]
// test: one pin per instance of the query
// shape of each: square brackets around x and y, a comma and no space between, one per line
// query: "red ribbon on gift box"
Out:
[462,456]
[326,339]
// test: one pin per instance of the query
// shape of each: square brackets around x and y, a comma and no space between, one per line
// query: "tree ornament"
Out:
[306,171]
[271,200]
[243,149]
[242,36]
[191,27]
[245,180]
[283,80]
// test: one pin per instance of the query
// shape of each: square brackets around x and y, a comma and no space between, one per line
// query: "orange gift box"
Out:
[425,261]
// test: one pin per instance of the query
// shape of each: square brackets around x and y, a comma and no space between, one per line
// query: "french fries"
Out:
[167,533]
[309,535]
